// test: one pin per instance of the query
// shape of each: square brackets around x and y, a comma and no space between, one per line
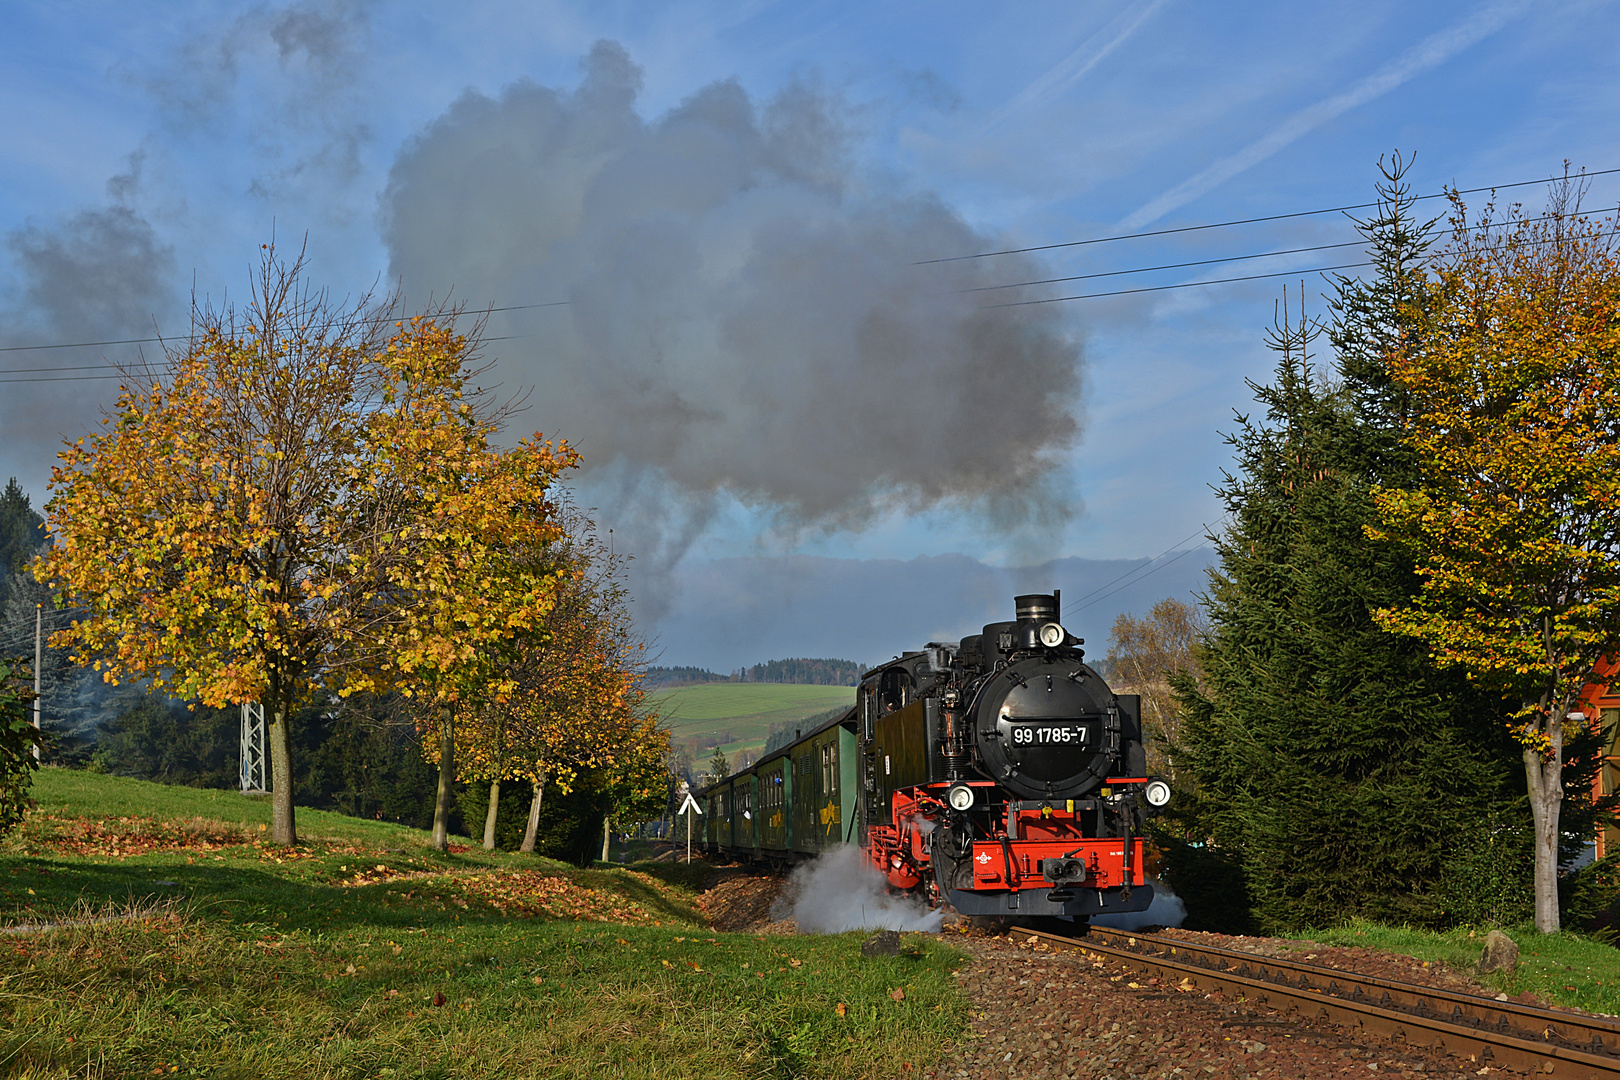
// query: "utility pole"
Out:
[38,617]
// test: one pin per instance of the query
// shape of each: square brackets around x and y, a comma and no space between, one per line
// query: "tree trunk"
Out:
[283,829]
[1546,800]
[533,827]
[447,775]
[607,835]
[489,818]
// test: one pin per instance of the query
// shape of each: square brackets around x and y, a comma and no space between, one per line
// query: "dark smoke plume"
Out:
[743,316]
[102,274]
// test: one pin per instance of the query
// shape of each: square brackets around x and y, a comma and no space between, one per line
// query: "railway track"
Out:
[1483,1030]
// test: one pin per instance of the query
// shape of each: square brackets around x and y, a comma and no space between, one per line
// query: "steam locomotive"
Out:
[998,775]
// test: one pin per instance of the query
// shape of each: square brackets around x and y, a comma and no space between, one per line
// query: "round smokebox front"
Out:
[1041,733]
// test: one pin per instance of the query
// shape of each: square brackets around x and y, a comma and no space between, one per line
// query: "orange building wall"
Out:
[1601,704]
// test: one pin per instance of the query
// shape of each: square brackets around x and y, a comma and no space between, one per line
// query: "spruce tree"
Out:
[1333,763]
[22,532]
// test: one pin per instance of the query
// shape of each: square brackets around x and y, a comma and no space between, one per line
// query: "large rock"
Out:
[1500,953]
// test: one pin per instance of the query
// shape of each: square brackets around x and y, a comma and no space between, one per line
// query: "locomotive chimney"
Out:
[1037,607]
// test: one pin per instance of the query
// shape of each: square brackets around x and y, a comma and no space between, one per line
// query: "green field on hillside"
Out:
[151,930]
[746,710]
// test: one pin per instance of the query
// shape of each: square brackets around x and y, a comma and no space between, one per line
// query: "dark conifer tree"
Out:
[1341,772]
[22,532]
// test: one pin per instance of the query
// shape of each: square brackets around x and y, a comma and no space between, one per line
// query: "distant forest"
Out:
[798,671]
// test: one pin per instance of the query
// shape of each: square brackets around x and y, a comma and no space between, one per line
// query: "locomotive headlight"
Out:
[960,797]
[1052,635]
[1157,793]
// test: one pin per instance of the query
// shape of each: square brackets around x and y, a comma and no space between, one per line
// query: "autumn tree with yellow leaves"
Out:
[575,702]
[1512,380]
[1145,655]
[307,503]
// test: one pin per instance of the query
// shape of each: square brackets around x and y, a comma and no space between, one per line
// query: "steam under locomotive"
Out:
[998,775]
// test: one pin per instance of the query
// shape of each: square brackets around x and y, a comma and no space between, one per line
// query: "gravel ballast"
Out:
[1044,1015]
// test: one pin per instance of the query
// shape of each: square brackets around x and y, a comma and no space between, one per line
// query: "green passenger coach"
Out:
[793,803]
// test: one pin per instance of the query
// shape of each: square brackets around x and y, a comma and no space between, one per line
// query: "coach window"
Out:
[869,707]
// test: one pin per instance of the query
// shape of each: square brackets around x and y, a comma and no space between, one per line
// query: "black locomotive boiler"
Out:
[999,775]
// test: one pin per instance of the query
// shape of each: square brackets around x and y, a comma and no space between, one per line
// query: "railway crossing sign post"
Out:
[689,804]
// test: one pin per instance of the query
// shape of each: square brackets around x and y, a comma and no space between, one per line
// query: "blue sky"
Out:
[149,150]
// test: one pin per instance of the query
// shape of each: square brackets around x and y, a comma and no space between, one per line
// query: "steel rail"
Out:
[1598,1034]
[1487,1031]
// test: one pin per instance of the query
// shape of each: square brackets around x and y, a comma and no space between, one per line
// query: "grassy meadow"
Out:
[747,710]
[147,930]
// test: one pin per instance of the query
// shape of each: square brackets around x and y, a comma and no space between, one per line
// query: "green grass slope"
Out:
[150,930]
[1566,968]
[747,710]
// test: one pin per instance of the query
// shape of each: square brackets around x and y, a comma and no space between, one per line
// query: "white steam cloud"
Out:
[841,891]
[1166,910]
[738,309]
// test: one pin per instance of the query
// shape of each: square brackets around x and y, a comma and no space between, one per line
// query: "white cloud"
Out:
[1426,55]
[1072,68]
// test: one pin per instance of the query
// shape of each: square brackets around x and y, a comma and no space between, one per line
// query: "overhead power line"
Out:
[1168,562]
[80,344]
[62,378]
[31,377]
[1256,255]
[121,375]
[1242,221]
[1202,529]
[64,367]
[53,620]
[1165,266]
[1182,285]
[1209,281]
[156,340]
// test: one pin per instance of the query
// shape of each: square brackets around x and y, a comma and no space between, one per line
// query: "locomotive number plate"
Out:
[1049,734]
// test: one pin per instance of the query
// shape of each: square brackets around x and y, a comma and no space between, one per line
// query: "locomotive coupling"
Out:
[1060,871]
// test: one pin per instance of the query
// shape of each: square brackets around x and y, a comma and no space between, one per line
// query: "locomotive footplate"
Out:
[1003,864]
[1061,901]
[1045,878]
